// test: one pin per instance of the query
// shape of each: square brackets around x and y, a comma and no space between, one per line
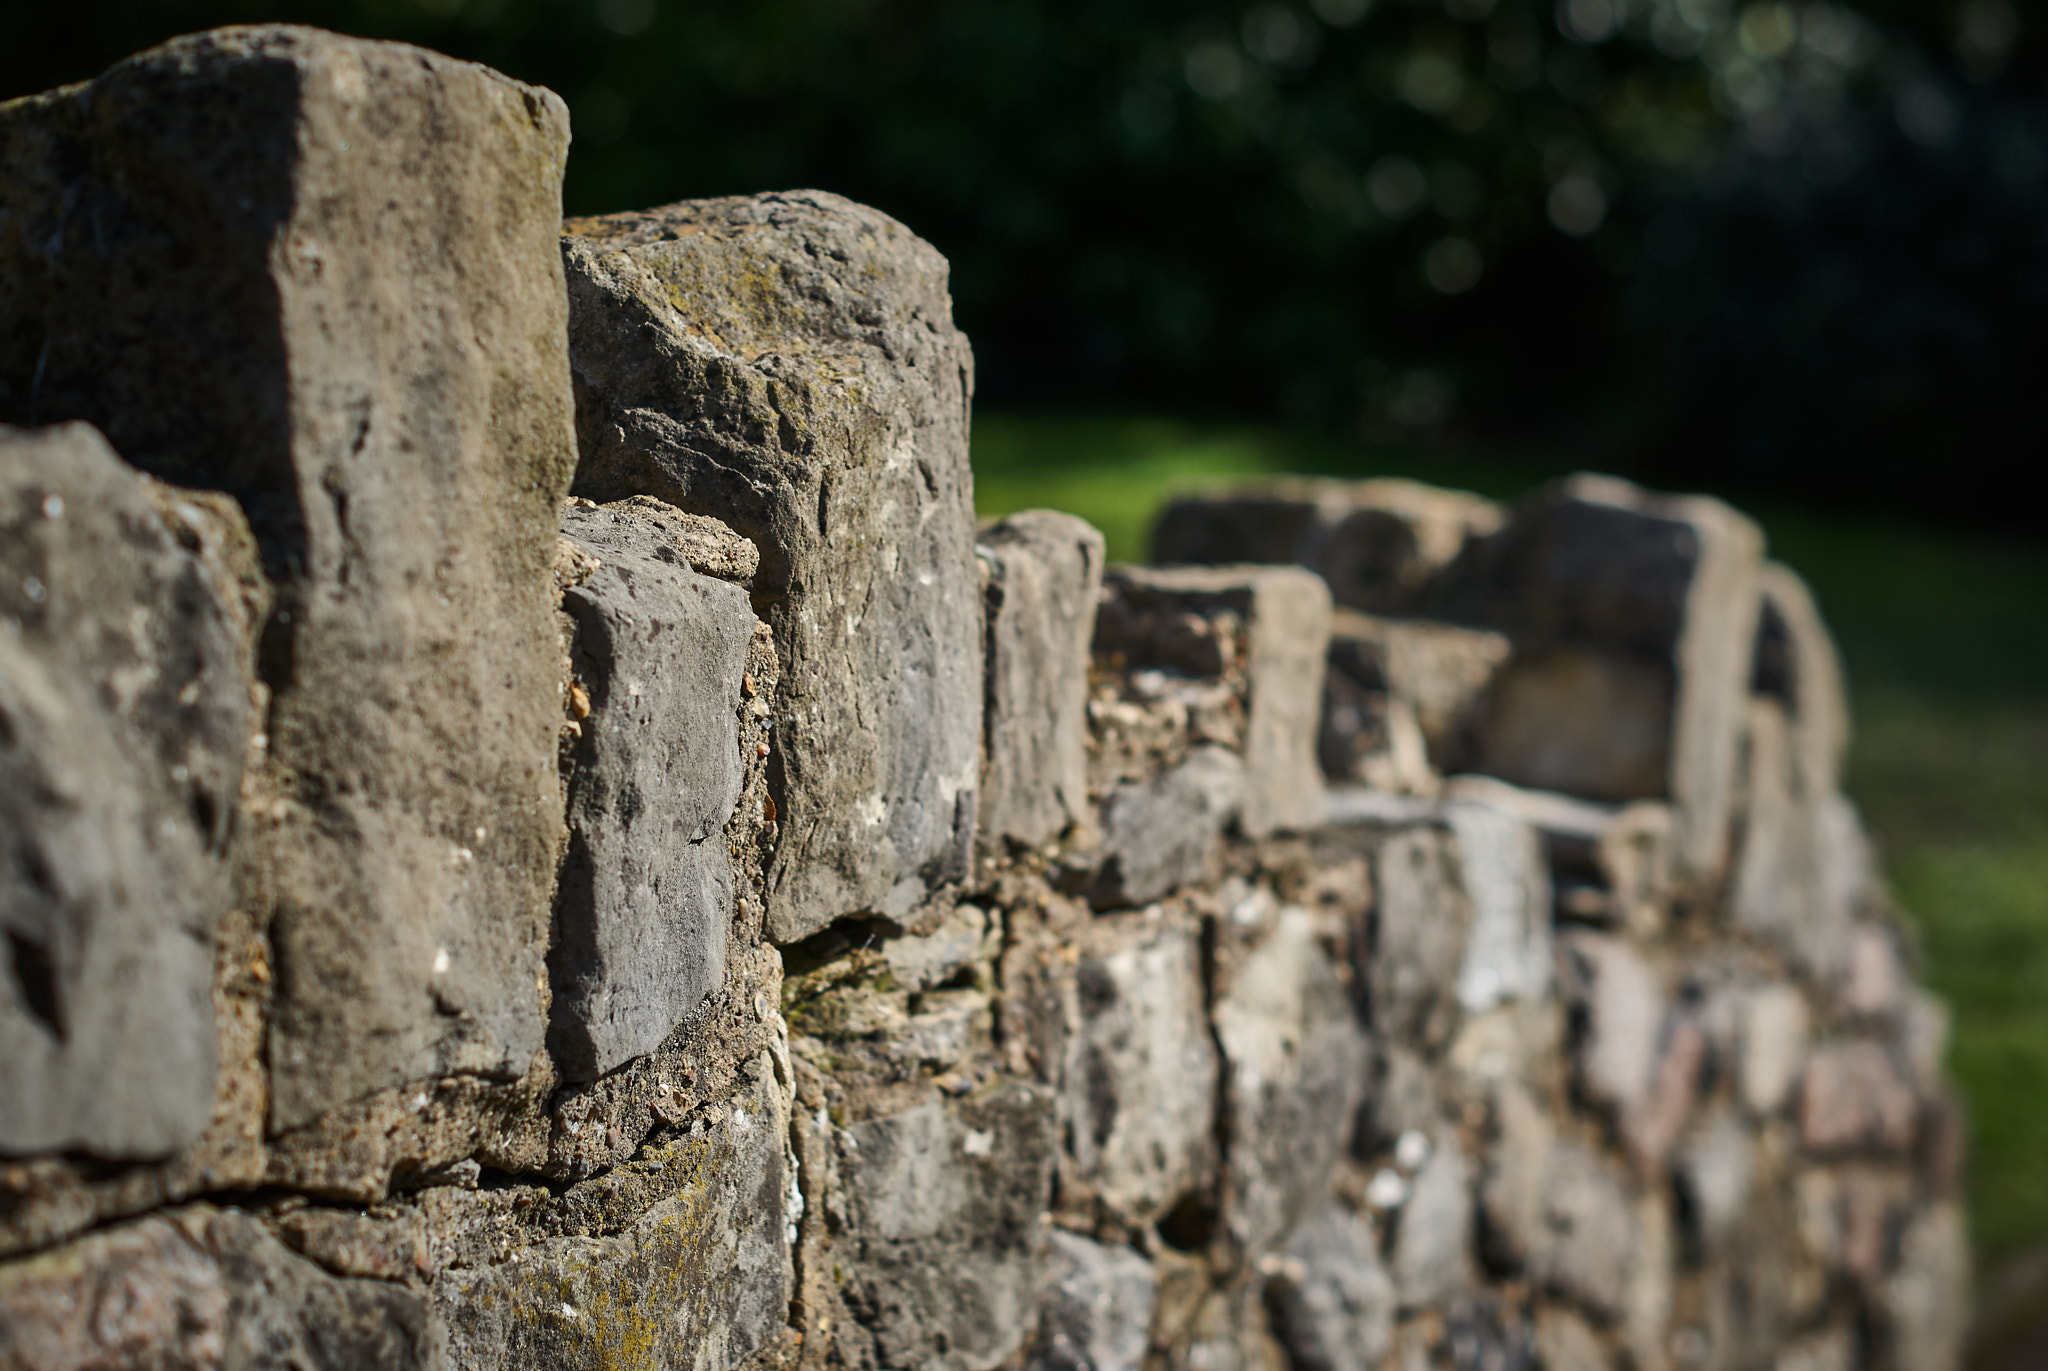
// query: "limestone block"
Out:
[646,893]
[1140,1096]
[199,1288]
[1854,1096]
[1620,1007]
[1634,619]
[1796,664]
[788,364]
[1376,542]
[1044,578]
[124,718]
[965,933]
[679,1259]
[945,1201]
[1408,964]
[1097,1309]
[1266,630]
[1296,1066]
[1401,698]
[1334,1301]
[1161,834]
[1586,1247]
[1506,879]
[1432,1259]
[321,275]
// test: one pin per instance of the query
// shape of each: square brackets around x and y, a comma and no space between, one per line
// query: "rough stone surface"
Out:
[1774,1030]
[1163,833]
[196,1289]
[1507,887]
[1296,1060]
[1097,1308]
[1140,1098]
[948,1246]
[1334,1299]
[1620,1009]
[1432,1244]
[1633,618]
[381,380]
[788,364]
[1269,626]
[1854,1096]
[1586,1246]
[124,717]
[1409,963]
[646,890]
[1044,578]
[1402,699]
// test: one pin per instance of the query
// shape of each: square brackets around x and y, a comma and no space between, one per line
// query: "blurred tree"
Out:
[1526,219]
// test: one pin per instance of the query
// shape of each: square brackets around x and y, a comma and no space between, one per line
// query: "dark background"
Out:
[1780,251]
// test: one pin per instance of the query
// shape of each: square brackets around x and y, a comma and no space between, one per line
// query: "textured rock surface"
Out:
[1044,577]
[208,258]
[788,364]
[1161,834]
[1335,1300]
[647,887]
[1097,1309]
[124,718]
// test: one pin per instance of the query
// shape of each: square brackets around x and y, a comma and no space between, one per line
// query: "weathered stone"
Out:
[1265,629]
[1506,881]
[945,1201]
[1433,1243]
[1296,1063]
[1566,1342]
[1773,1046]
[321,274]
[1927,1301]
[1513,1194]
[678,1259]
[1376,542]
[1619,1008]
[1097,1308]
[646,890]
[1874,978]
[1161,834]
[787,363]
[197,1289]
[1853,1096]
[1334,1300]
[1140,1096]
[1044,578]
[124,717]
[1633,617]
[1586,1246]
[1402,697]
[1831,1349]
[965,934]
[1408,964]
[1795,663]
[1716,1169]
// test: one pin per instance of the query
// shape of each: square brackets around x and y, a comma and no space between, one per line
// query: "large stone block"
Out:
[646,893]
[1262,631]
[1634,619]
[1402,698]
[1506,880]
[1297,1067]
[1140,1097]
[678,1259]
[1796,664]
[1409,955]
[788,364]
[946,1203]
[124,719]
[322,275]
[1098,1307]
[1044,577]
[1164,833]
[198,1289]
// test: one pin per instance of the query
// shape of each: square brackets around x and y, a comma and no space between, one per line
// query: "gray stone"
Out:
[646,891]
[1376,542]
[1408,965]
[1402,697]
[1927,1300]
[1717,1168]
[1140,1094]
[1296,1068]
[1161,834]
[201,1288]
[678,1259]
[1796,664]
[1044,578]
[1517,1176]
[787,363]
[322,275]
[965,934]
[1506,879]
[1620,1007]
[1097,1308]
[1774,1031]
[1266,627]
[1587,1246]
[1334,1300]
[124,718]
[1854,1096]
[945,1258]
[1432,1258]
[1633,617]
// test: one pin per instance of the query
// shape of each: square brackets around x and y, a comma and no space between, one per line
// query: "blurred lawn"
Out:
[1946,641]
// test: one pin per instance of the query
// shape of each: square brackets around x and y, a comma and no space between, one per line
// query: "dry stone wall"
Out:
[539,833]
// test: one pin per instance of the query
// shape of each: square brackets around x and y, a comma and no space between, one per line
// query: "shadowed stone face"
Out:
[788,364]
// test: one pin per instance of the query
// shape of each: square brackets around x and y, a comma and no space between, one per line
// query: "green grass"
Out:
[1945,637]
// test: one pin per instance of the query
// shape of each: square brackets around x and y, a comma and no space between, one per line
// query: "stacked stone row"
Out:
[540,833]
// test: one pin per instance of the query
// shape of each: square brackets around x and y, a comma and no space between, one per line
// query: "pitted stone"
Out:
[1097,1308]
[788,364]
[1335,1300]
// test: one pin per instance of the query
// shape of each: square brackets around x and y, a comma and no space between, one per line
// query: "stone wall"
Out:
[539,832]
